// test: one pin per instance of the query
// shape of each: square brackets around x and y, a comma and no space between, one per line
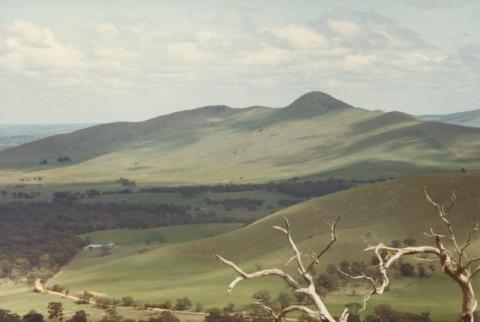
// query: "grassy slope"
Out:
[390,210]
[20,299]
[172,234]
[220,144]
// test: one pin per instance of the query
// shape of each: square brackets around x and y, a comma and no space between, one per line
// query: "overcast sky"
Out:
[77,61]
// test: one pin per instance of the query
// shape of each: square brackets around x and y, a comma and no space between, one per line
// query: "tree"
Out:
[458,266]
[85,298]
[55,311]
[305,286]
[33,316]
[229,308]
[409,241]
[285,299]
[422,272]
[6,316]
[127,301]
[328,281]
[165,317]
[111,315]
[199,307]
[407,270]
[262,296]
[58,288]
[167,304]
[79,316]
[183,304]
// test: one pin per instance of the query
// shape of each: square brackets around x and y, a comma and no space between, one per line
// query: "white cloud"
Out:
[107,29]
[437,4]
[343,50]
[299,37]
[188,52]
[357,62]
[28,47]
[346,28]
[267,56]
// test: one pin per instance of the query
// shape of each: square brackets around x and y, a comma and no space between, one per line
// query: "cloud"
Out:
[357,62]
[267,56]
[227,18]
[439,4]
[298,37]
[27,47]
[368,30]
[343,51]
[107,29]
[188,52]
[346,28]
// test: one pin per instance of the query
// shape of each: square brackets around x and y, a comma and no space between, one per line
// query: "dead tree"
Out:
[456,263]
[304,286]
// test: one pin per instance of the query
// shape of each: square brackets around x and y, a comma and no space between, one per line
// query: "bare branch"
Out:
[458,271]
[474,273]
[442,212]
[333,239]
[262,273]
[307,286]
[365,277]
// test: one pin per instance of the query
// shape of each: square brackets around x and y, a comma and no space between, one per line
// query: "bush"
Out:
[79,316]
[33,316]
[328,281]
[183,304]
[6,316]
[407,270]
[58,288]
[165,317]
[127,301]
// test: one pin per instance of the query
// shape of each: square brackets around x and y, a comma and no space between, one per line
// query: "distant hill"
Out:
[382,211]
[17,134]
[315,136]
[467,118]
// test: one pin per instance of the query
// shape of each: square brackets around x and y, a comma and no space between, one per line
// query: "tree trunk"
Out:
[469,304]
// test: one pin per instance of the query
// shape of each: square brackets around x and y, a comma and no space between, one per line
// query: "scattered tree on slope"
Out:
[457,265]
[460,269]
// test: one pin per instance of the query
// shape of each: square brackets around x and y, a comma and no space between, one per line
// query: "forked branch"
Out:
[458,270]
[306,286]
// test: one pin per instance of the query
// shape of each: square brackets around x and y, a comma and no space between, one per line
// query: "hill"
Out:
[17,134]
[316,135]
[384,211]
[467,118]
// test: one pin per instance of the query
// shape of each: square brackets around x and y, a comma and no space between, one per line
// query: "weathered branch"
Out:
[280,315]
[458,270]
[333,239]
[262,273]
[307,286]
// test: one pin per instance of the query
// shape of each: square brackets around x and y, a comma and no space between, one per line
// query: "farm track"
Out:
[39,287]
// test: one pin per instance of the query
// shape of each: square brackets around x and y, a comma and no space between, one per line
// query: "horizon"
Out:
[90,62]
[87,124]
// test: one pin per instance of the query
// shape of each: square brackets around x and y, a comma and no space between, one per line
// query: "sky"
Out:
[96,61]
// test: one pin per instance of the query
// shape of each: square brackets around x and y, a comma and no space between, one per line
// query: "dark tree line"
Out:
[44,235]
[293,187]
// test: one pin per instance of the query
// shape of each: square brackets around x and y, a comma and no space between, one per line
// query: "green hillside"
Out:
[386,211]
[316,135]
[169,234]
[19,298]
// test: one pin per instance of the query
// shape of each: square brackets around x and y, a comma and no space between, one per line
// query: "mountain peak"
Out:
[318,100]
